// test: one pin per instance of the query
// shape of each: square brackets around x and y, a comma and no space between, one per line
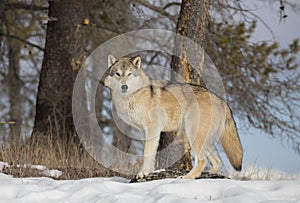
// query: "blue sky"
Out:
[260,148]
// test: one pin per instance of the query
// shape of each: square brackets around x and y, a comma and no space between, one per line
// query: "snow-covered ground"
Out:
[168,190]
[118,189]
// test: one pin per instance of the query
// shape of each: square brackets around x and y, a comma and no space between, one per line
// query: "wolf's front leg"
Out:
[152,131]
[151,144]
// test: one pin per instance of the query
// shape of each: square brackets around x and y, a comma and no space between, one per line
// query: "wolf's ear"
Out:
[111,60]
[136,61]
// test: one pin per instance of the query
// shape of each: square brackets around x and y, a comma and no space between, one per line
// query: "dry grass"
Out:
[64,155]
[259,173]
[75,163]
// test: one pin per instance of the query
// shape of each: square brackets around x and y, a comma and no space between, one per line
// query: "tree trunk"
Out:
[14,84]
[13,78]
[64,54]
[191,23]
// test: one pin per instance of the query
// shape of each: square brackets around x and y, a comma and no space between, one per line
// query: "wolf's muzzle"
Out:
[124,88]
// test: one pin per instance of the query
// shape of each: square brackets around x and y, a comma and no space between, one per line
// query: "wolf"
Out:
[155,106]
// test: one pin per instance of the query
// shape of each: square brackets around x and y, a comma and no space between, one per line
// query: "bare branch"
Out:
[264,23]
[25,6]
[171,4]
[23,40]
[157,9]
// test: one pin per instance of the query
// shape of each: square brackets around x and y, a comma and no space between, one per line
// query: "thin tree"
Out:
[17,47]
[192,22]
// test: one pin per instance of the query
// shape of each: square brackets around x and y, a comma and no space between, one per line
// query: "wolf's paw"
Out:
[143,173]
[213,171]
[188,176]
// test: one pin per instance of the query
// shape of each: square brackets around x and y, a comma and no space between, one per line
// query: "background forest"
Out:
[44,43]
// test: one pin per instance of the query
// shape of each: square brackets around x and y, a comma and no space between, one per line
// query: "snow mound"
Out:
[43,169]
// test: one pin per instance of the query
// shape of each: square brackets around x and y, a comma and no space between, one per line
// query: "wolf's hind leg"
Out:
[214,161]
[197,140]
[197,169]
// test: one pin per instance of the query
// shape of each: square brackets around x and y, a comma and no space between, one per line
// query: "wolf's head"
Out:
[125,75]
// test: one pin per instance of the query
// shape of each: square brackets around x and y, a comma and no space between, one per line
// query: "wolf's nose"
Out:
[124,87]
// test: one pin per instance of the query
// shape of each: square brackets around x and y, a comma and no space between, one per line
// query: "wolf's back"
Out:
[231,143]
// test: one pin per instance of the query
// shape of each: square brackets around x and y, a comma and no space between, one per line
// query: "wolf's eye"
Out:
[118,74]
[129,74]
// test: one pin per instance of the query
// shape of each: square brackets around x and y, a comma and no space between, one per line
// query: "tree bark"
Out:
[191,23]
[64,54]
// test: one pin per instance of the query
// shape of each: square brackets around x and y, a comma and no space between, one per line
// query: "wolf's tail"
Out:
[231,143]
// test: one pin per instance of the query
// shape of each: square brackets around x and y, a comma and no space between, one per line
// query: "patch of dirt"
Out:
[174,173]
